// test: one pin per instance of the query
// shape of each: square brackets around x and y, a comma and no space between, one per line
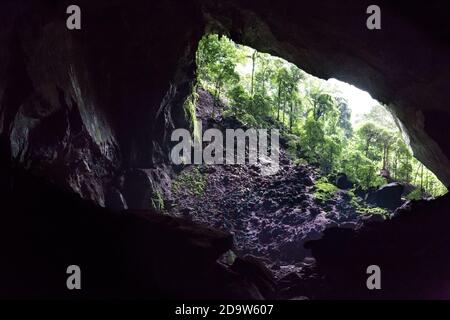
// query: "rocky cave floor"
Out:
[270,216]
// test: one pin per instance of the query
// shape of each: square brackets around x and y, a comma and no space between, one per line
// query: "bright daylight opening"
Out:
[257,85]
[344,160]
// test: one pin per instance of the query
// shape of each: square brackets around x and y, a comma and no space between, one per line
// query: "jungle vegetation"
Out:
[264,91]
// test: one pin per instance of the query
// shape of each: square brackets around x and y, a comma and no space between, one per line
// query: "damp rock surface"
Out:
[270,216]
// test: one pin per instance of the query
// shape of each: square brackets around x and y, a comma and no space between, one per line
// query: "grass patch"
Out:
[157,201]
[193,181]
[324,190]
[363,208]
[372,210]
[190,107]
[414,195]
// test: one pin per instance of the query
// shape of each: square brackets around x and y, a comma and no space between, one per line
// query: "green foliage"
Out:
[190,113]
[414,195]
[360,169]
[300,162]
[192,181]
[312,136]
[363,208]
[330,153]
[216,61]
[157,201]
[294,145]
[324,190]
[344,117]
[240,102]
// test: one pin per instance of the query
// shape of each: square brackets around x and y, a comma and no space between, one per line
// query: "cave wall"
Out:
[83,107]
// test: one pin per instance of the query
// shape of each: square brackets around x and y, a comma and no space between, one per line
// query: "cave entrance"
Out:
[344,160]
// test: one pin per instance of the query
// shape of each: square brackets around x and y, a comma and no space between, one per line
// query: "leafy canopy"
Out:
[314,117]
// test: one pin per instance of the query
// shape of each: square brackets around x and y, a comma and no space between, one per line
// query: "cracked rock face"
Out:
[81,107]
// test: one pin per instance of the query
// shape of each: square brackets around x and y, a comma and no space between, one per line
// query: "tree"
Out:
[321,101]
[282,78]
[216,60]
[344,117]
[368,137]
[330,153]
[254,56]
[385,139]
[402,166]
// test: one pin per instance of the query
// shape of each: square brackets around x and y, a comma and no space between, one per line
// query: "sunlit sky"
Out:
[359,101]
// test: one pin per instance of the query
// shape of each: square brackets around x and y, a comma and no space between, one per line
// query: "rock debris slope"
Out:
[270,216]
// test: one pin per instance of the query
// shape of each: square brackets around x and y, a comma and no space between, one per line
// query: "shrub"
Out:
[157,201]
[363,208]
[415,195]
[193,181]
[190,112]
[324,190]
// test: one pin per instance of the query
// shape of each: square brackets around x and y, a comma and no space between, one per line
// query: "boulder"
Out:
[254,269]
[147,188]
[360,192]
[387,196]
[137,189]
[342,181]
[408,188]
[411,249]
[115,200]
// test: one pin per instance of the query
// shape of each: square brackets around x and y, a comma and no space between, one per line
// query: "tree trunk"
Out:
[291,117]
[421,180]
[217,97]
[279,99]
[253,73]
[387,157]
[408,174]
[314,110]
[367,148]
